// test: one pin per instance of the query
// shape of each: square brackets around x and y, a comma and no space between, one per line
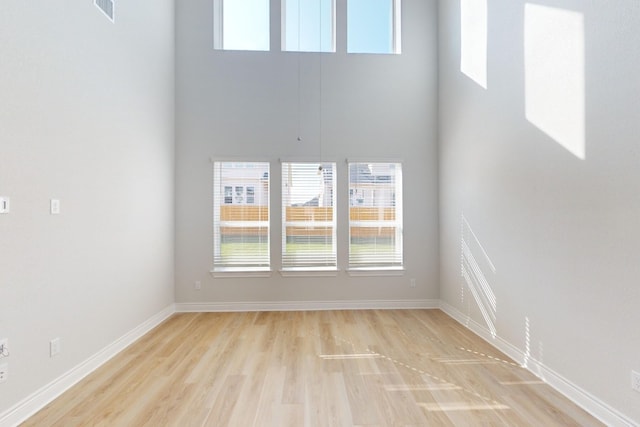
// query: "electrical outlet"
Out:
[4,372]
[5,206]
[635,380]
[55,206]
[198,285]
[412,283]
[54,347]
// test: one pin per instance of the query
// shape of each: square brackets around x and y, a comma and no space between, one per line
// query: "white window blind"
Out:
[308,216]
[241,216]
[375,216]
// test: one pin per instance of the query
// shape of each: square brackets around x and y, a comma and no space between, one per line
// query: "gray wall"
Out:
[234,104]
[562,232]
[87,117]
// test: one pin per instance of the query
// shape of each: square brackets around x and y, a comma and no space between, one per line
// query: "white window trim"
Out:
[397,27]
[378,270]
[247,271]
[374,160]
[218,32]
[310,271]
[225,272]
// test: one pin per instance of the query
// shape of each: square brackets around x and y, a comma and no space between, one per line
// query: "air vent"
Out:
[106,6]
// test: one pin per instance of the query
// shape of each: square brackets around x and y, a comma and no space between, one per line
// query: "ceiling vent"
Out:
[106,6]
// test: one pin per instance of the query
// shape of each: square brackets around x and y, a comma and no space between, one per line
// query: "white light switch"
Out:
[55,206]
[4,205]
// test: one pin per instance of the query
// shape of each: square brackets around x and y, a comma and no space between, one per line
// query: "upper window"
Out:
[241,24]
[240,216]
[308,216]
[308,25]
[375,216]
[373,26]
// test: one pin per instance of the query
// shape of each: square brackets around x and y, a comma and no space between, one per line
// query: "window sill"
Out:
[310,272]
[376,271]
[241,272]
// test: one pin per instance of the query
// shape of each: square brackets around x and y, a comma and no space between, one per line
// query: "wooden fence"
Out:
[250,213]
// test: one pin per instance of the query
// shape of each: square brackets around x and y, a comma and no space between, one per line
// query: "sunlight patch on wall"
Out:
[555,74]
[474,263]
[473,40]
[527,342]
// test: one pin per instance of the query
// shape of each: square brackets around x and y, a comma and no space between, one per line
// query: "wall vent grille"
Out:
[106,6]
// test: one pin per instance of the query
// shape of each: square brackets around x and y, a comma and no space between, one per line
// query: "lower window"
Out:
[308,216]
[375,216]
[241,216]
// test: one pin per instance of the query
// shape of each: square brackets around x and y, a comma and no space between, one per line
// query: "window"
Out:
[308,25]
[375,216]
[106,6]
[228,194]
[251,195]
[240,216]
[373,26]
[241,24]
[308,216]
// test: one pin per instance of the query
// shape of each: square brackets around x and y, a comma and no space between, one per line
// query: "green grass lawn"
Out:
[236,248]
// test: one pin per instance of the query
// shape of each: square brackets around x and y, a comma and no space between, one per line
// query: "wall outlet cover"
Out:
[635,381]
[54,347]
[55,206]
[4,205]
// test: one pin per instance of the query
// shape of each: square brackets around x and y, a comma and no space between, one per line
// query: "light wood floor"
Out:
[324,368]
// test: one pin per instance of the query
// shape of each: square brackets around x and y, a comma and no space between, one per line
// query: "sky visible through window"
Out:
[309,25]
[370,26]
[245,24]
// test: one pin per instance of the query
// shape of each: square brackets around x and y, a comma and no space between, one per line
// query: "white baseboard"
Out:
[36,401]
[588,402]
[306,305]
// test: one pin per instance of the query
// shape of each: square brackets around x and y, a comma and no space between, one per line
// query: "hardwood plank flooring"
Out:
[318,368]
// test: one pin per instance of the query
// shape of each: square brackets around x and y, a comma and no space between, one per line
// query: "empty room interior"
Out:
[332,212]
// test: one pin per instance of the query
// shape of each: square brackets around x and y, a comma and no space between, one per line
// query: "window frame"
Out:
[311,269]
[218,28]
[283,30]
[219,194]
[396,31]
[372,268]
